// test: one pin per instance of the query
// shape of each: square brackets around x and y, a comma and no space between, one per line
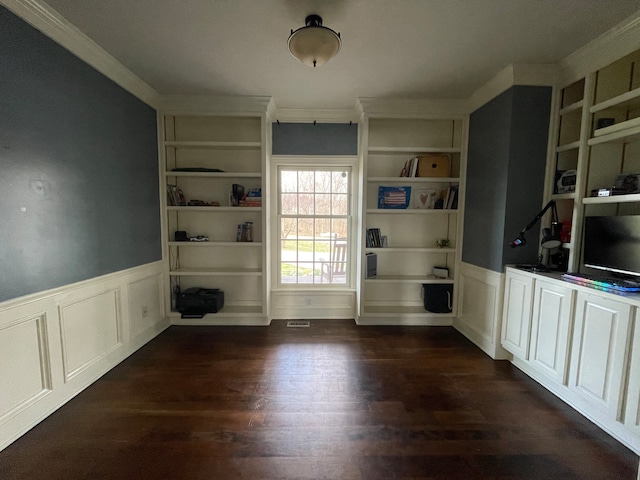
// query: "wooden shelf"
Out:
[228,310]
[214,174]
[214,244]
[413,179]
[617,127]
[402,310]
[214,209]
[408,279]
[413,150]
[411,249]
[193,272]
[622,136]
[568,146]
[571,108]
[635,197]
[626,101]
[214,145]
[410,211]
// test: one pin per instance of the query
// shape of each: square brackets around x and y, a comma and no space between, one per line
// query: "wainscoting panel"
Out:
[90,329]
[480,308]
[309,305]
[145,299]
[56,343]
[25,372]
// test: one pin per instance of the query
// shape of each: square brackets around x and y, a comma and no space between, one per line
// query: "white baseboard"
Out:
[410,321]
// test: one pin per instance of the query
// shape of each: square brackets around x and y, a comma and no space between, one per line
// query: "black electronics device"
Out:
[438,297]
[372,264]
[612,244]
[197,302]
[180,236]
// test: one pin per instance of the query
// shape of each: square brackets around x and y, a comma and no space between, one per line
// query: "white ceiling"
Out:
[391,48]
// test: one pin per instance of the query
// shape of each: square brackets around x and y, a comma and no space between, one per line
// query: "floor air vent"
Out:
[298,323]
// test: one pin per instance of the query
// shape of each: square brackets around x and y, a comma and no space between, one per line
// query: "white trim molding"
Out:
[205,104]
[44,18]
[514,74]
[407,107]
[619,41]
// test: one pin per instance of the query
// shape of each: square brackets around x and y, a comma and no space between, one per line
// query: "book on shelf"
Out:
[410,168]
[374,238]
[452,204]
[253,198]
[175,196]
[237,192]
[448,199]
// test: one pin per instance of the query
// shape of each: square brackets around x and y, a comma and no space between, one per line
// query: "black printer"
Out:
[196,302]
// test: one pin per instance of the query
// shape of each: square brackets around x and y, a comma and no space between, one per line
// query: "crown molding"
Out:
[515,74]
[220,105]
[619,41]
[412,106]
[53,25]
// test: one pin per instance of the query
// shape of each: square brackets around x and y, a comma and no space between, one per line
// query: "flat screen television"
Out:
[613,244]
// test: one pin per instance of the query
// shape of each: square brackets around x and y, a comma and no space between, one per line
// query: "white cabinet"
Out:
[204,156]
[581,344]
[414,234]
[516,318]
[599,351]
[632,412]
[550,329]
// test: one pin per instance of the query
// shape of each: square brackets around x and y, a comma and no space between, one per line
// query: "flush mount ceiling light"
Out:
[314,44]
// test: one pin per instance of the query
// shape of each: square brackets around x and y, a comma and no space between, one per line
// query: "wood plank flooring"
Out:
[332,401]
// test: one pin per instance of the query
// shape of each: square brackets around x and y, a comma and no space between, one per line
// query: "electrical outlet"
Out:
[145,311]
[307,301]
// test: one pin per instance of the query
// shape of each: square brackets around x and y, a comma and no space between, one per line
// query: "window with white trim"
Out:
[314,223]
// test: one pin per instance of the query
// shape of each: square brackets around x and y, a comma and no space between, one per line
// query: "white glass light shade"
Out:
[314,44]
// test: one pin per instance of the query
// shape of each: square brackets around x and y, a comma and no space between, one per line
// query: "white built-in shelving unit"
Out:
[598,153]
[395,294]
[235,144]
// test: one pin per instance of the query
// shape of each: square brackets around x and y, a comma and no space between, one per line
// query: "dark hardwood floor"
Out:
[333,401]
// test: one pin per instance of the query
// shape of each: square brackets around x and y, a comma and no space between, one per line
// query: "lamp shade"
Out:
[314,44]
[549,239]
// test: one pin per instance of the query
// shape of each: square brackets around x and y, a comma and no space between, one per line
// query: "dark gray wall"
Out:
[318,139]
[505,176]
[79,168]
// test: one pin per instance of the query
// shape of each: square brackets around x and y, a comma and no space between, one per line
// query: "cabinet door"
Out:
[599,351]
[632,413]
[516,316]
[550,326]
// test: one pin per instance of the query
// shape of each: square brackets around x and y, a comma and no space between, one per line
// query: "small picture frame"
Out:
[425,198]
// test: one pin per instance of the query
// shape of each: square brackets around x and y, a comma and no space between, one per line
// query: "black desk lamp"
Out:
[550,236]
